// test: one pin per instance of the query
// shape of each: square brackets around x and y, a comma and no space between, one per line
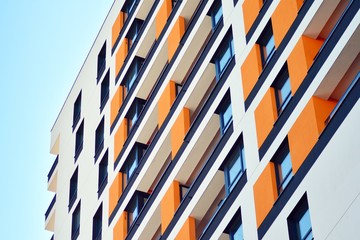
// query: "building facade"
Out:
[212,119]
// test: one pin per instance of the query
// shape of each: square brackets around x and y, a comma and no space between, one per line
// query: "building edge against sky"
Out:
[212,119]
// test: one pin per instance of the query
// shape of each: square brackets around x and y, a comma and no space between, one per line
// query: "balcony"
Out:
[52,176]
[50,215]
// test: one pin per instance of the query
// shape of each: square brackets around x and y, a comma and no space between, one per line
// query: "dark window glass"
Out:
[234,228]
[183,191]
[75,224]
[73,188]
[134,32]
[225,112]
[97,224]
[77,111]
[223,56]
[216,13]
[267,44]
[101,61]
[79,140]
[103,173]
[173,3]
[134,112]
[299,222]
[132,73]
[99,139]
[132,161]
[135,205]
[283,166]
[105,88]
[282,89]
[234,167]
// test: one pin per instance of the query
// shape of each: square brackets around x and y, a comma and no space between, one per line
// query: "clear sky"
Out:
[43,45]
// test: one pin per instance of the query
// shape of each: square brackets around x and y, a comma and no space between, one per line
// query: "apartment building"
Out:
[212,119]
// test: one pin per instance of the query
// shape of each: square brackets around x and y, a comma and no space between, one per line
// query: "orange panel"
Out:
[251,9]
[175,36]
[120,228]
[301,59]
[120,137]
[165,102]
[115,104]
[162,16]
[169,204]
[265,116]
[118,24]
[251,69]
[120,56]
[282,18]
[179,130]
[312,120]
[115,192]
[265,193]
[188,230]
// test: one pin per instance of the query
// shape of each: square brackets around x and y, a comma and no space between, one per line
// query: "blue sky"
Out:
[43,45]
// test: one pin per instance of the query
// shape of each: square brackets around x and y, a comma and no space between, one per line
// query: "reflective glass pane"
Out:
[217,15]
[270,46]
[305,226]
[226,116]
[285,173]
[238,233]
[132,168]
[224,60]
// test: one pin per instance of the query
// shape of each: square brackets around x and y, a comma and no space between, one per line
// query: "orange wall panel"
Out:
[169,204]
[162,16]
[120,56]
[188,230]
[282,18]
[175,36]
[165,102]
[251,69]
[120,137]
[118,24]
[301,59]
[251,9]
[120,228]
[305,132]
[265,116]
[115,192]
[179,130]
[265,193]
[116,102]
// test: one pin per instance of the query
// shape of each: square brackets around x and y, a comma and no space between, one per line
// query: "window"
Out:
[128,8]
[79,140]
[135,205]
[299,221]
[73,188]
[183,191]
[103,173]
[75,223]
[223,56]
[134,112]
[267,44]
[234,166]
[216,13]
[235,228]
[132,73]
[97,224]
[134,32]
[77,111]
[101,62]
[105,88]
[99,139]
[132,161]
[282,89]
[283,166]
[173,3]
[225,113]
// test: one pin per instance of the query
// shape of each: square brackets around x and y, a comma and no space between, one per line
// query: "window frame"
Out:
[79,140]
[234,225]
[104,90]
[226,45]
[280,81]
[131,74]
[134,110]
[133,32]
[73,188]
[280,156]
[224,105]
[103,173]
[216,9]
[266,36]
[75,222]
[97,224]
[99,138]
[77,111]
[137,202]
[301,208]
[101,62]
